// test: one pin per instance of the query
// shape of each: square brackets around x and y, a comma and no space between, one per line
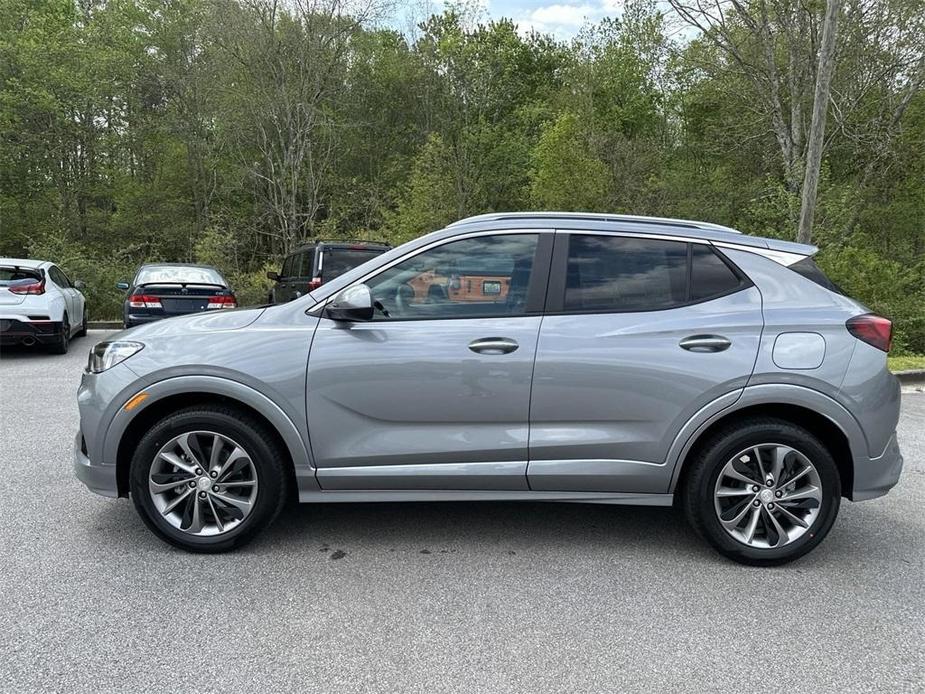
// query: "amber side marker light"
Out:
[135,401]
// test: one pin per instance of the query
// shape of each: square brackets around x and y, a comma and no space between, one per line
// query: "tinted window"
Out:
[58,277]
[484,276]
[167,274]
[710,275]
[302,265]
[287,266]
[12,275]
[613,273]
[336,261]
[807,268]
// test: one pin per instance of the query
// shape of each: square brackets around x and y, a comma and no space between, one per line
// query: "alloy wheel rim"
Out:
[768,496]
[203,483]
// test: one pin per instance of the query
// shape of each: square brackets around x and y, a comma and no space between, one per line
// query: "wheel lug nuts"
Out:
[192,485]
[756,503]
[215,488]
[198,471]
[755,488]
[770,506]
[202,495]
[770,482]
[778,493]
[213,474]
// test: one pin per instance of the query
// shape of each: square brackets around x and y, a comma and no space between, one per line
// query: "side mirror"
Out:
[352,304]
[79,284]
[122,285]
[273,276]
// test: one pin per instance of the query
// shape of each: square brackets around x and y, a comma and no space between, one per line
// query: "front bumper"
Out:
[14,331]
[100,479]
[874,477]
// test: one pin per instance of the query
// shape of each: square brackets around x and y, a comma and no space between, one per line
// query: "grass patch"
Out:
[905,363]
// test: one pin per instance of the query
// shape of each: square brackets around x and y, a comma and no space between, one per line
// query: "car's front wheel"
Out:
[208,479]
[763,492]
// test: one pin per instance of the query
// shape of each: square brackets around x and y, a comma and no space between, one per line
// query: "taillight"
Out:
[31,288]
[314,284]
[222,302]
[872,329]
[144,301]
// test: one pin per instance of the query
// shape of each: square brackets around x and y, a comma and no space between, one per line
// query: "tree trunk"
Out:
[817,127]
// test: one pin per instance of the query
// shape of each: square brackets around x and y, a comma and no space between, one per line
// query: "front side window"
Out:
[485,276]
[616,273]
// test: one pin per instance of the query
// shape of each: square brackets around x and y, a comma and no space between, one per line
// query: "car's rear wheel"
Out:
[763,492]
[208,479]
[60,345]
[83,325]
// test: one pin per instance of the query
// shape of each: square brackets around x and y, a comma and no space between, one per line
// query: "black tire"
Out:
[262,449]
[60,345]
[83,325]
[697,495]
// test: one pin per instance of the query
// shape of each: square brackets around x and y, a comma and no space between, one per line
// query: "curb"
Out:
[910,377]
[104,325]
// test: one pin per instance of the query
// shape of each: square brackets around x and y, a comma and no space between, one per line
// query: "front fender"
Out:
[225,387]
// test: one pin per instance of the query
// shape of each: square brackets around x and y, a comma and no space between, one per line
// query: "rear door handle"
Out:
[705,343]
[493,345]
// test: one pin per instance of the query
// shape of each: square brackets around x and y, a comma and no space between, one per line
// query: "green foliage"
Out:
[224,131]
[565,174]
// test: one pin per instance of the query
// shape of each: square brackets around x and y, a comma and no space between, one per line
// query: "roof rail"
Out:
[594,216]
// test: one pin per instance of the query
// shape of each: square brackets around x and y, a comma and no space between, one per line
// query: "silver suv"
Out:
[535,356]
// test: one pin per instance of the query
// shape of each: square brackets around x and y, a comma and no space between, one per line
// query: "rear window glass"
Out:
[710,275]
[12,275]
[807,268]
[337,261]
[176,275]
[613,273]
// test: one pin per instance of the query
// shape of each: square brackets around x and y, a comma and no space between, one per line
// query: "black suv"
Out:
[315,263]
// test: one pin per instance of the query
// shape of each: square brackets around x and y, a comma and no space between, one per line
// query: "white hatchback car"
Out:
[39,304]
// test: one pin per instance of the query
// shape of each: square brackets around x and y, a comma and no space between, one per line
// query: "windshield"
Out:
[12,275]
[337,261]
[168,274]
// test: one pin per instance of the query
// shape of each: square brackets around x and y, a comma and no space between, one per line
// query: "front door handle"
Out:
[493,345]
[705,343]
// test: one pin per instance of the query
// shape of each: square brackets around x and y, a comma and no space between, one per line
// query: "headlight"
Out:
[105,355]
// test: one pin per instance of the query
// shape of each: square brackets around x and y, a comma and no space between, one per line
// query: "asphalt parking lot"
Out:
[491,597]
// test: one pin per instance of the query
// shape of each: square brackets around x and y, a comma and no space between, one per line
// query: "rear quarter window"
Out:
[711,275]
[807,268]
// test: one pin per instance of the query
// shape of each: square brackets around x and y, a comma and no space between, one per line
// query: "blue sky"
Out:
[562,18]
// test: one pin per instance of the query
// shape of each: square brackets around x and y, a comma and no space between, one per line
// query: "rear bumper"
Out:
[100,479]
[15,332]
[874,477]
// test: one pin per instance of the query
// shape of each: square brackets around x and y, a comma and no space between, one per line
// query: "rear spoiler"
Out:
[785,253]
[182,284]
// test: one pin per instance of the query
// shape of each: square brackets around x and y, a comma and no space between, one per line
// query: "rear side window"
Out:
[621,274]
[58,277]
[287,266]
[616,273]
[710,275]
[807,268]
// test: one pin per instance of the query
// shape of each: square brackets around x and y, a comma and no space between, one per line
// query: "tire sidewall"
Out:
[269,481]
[717,457]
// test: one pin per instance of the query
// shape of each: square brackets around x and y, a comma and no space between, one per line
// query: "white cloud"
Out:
[562,15]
